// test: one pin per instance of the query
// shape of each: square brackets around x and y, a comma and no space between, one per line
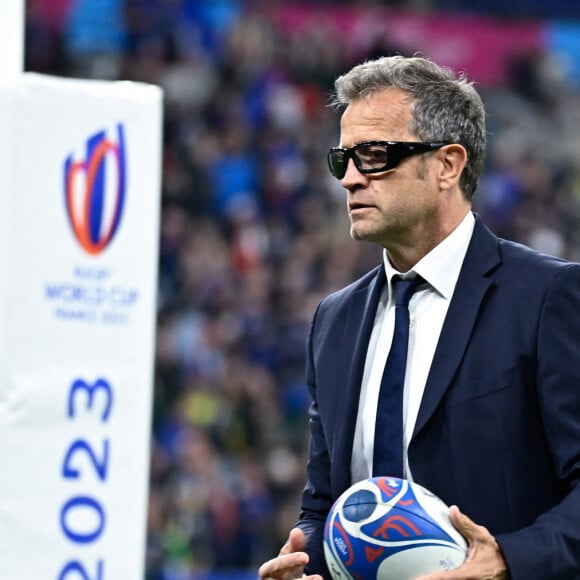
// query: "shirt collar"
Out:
[441,266]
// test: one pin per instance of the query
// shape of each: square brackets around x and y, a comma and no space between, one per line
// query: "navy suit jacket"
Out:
[498,430]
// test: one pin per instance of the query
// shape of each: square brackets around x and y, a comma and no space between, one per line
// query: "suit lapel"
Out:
[472,285]
[359,325]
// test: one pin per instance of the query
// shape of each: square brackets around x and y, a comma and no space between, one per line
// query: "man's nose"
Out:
[352,176]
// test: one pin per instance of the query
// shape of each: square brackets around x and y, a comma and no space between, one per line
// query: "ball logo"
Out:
[95,190]
[400,525]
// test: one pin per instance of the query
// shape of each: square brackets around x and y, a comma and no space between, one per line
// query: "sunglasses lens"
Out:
[337,163]
[372,157]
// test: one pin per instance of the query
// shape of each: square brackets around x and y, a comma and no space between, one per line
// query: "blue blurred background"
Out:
[254,230]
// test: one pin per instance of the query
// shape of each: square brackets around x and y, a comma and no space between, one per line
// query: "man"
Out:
[491,397]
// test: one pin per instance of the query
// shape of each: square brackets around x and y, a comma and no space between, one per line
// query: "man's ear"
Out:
[453,158]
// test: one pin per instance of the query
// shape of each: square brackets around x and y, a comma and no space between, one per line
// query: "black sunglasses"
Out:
[375,156]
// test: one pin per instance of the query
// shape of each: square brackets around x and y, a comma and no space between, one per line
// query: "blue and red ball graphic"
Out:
[95,189]
[389,528]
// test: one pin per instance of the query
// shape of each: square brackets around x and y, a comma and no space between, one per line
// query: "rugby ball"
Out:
[386,528]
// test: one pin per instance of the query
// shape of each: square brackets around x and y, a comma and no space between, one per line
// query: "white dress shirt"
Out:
[427,310]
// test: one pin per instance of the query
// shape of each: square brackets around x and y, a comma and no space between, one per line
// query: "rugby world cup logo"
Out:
[95,190]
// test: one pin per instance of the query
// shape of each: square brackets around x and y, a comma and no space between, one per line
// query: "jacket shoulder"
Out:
[344,295]
[519,256]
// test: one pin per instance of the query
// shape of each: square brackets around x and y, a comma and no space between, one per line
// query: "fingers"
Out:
[290,562]
[465,525]
[286,567]
[476,535]
[295,543]
[484,559]
[296,540]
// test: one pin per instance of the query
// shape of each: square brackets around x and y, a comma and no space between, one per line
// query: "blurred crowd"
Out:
[254,234]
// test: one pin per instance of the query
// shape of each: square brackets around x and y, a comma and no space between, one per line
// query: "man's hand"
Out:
[290,562]
[484,560]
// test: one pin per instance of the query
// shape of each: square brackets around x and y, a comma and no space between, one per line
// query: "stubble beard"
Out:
[381,230]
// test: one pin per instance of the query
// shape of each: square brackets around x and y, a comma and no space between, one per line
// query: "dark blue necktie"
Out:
[388,446]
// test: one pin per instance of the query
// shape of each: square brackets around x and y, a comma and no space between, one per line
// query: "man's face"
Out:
[395,206]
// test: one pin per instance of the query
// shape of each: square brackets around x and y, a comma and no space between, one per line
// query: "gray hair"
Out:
[446,107]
